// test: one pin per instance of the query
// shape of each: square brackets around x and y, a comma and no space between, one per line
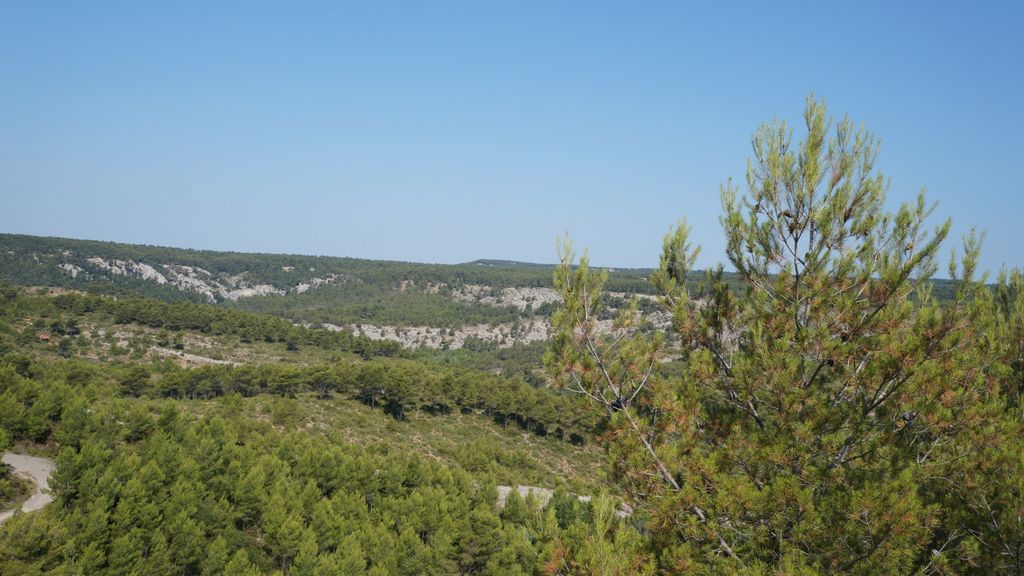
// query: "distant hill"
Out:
[307,289]
[507,263]
[216,276]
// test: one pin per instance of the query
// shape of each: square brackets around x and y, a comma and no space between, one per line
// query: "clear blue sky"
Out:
[449,131]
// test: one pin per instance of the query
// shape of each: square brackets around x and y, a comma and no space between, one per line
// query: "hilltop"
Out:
[481,304]
[213,276]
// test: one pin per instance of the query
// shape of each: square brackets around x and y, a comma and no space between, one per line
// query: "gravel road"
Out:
[38,470]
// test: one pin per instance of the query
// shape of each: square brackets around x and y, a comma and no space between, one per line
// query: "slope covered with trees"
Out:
[828,408]
[379,465]
[301,288]
[336,364]
[171,487]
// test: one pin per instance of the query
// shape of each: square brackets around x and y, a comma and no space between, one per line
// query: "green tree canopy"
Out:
[830,407]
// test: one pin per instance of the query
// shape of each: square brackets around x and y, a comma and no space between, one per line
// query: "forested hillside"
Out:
[482,306]
[827,408]
[304,451]
[204,275]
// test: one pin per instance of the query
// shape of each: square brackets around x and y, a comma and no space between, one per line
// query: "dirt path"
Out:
[37,470]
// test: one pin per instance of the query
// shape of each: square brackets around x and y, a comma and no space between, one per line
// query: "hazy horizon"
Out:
[553,262]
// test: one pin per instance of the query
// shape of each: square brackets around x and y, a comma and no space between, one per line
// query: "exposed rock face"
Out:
[128,268]
[505,335]
[317,282]
[71,269]
[185,278]
[518,297]
[214,287]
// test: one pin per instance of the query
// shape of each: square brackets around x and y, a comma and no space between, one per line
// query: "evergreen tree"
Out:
[819,399]
[239,565]
[216,557]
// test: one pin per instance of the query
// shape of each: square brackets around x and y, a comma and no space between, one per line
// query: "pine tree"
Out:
[90,561]
[284,530]
[217,556]
[158,559]
[817,396]
[606,546]
[125,553]
[239,565]
[306,562]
